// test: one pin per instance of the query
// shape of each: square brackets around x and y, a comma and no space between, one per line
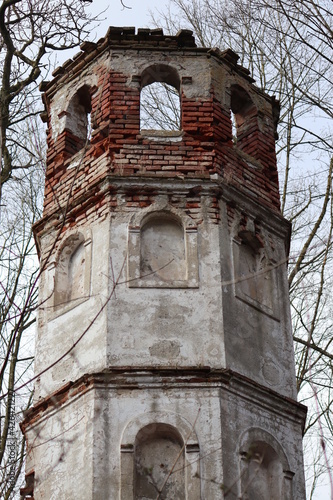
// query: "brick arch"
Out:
[78,119]
[161,73]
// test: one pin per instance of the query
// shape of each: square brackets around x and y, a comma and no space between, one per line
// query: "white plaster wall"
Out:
[60,450]
[258,345]
[174,327]
[77,448]
[119,408]
[84,325]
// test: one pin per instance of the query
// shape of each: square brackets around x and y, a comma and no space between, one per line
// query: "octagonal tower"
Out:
[164,348]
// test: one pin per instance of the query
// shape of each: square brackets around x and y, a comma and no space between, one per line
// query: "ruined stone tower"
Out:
[164,348]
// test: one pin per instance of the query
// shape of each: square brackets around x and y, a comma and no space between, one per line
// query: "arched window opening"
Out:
[160,107]
[162,249]
[78,118]
[159,449]
[243,116]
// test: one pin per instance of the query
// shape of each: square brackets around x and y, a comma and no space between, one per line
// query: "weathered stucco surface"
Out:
[164,348]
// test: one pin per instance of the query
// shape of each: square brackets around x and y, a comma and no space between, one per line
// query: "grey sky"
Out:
[116,15]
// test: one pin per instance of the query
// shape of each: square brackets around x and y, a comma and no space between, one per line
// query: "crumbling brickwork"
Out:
[117,147]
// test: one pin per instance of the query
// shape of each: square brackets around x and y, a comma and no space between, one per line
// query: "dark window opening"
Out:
[243,114]
[78,116]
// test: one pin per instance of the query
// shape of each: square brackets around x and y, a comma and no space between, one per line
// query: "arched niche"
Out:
[265,472]
[160,455]
[160,104]
[244,118]
[72,272]
[159,463]
[162,249]
[255,278]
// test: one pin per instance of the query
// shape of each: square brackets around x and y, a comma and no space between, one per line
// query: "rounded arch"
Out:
[257,435]
[70,242]
[159,449]
[78,115]
[60,120]
[162,248]
[81,97]
[161,73]
[161,430]
[241,104]
[72,271]
[151,444]
[160,103]
[152,420]
[163,209]
[264,467]
[158,214]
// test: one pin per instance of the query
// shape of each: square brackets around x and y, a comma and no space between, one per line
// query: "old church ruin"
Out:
[164,347]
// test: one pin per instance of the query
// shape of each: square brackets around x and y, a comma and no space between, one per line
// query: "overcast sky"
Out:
[137,15]
[113,14]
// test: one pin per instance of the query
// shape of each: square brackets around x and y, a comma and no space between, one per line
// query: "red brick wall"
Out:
[117,149]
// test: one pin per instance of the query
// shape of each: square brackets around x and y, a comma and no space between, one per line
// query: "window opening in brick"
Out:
[160,107]
[158,449]
[78,120]
[243,116]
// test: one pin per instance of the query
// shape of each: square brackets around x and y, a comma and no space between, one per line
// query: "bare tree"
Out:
[18,300]
[287,47]
[30,31]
